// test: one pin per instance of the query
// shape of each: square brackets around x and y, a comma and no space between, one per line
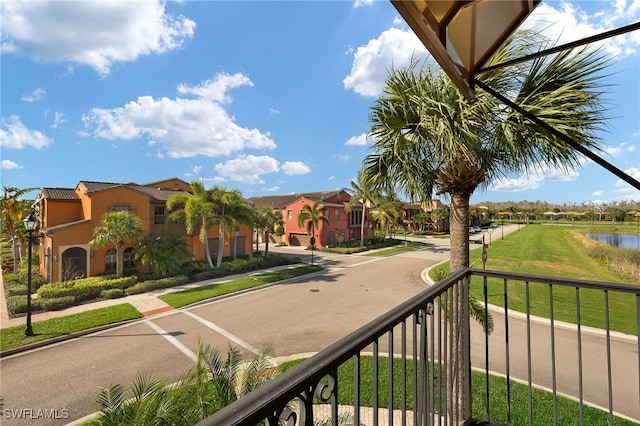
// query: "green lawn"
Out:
[187,297]
[14,337]
[567,410]
[407,246]
[554,251]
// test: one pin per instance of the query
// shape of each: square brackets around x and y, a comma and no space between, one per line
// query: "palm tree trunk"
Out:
[119,261]
[266,244]
[220,246]
[207,252]
[362,226]
[459,260]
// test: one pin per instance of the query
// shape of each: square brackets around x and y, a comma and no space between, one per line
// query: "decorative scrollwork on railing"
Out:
[326,390]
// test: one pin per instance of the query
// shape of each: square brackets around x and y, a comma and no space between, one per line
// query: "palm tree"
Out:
[116,228]
[194,210]
[361,193]
[265,220]
[310,218]
[387,214]
[429,140]
[166,253]
[13,211]
[230,209]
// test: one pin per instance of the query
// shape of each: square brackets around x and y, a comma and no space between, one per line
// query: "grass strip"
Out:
[567,409]
[14,337]
[408,246]
[554,251]
[187,297]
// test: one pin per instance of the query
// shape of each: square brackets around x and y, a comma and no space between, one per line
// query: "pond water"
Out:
[618,240]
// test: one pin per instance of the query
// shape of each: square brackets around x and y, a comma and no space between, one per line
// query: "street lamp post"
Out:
[30,224]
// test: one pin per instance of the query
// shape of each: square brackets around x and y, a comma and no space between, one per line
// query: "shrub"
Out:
[15,289]
[209,274]
[112,293]
[157,284]
[18,304]
[57,303]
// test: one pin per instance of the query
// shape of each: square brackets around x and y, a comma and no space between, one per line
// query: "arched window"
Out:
[129,259]
[110,260]
[74,263]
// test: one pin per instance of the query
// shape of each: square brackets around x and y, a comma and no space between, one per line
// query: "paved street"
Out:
[291,319]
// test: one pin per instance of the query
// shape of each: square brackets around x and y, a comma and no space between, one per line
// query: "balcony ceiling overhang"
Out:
[463,35]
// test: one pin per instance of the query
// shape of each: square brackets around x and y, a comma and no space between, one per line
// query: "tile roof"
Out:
[281,201]
[60,194]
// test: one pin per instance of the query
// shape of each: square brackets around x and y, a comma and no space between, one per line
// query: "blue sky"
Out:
[268,97]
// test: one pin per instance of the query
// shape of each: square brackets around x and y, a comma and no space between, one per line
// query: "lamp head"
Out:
[30,222]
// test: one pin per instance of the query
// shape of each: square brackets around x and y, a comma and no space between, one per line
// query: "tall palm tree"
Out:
[116,228]
[311,216]
[194,210]
[230,209]
[365,195]
[429,140]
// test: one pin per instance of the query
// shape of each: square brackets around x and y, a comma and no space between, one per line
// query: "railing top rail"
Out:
[250,408]
[570,282]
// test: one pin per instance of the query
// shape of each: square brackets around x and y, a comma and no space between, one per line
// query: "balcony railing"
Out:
[426,363]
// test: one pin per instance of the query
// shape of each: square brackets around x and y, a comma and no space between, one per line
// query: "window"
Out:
[289,214]
[110,260]
[159,215]
[129,259]
[121,208]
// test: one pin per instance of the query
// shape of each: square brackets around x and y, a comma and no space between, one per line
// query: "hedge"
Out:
[57,303]
[15,289]
[157,284]
[18,304]
[112,293]
[84,289]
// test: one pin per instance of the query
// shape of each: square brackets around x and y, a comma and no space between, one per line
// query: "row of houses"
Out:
[68,217]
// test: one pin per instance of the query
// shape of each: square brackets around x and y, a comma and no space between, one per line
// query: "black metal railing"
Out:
[426,363]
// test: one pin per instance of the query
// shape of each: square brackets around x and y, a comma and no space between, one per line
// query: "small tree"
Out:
[115,229]
[165,253]
[311,216]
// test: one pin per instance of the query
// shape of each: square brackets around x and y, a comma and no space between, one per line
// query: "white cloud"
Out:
[34,96]
[247,168]
[360,140]
[9,165]
[534,179]
[183,127]
[14,134]
[362,3]
[295,168]
[569,22]
[341,157]
[372,62]
[98,34]
[272,189]
[58,120]
[625,190]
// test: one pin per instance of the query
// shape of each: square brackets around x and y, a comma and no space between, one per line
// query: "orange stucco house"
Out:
[68,217]
[342,226]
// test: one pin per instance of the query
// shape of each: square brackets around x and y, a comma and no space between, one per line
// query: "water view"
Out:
[618,240]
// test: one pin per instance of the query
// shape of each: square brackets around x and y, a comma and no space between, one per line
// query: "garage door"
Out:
[299,240]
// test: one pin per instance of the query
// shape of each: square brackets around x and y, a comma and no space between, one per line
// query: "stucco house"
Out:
[342,226]
[68,217]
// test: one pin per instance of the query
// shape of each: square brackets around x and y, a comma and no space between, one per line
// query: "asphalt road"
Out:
[299,317]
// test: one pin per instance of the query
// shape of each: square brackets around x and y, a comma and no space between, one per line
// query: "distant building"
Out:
[342,226]
[68,217]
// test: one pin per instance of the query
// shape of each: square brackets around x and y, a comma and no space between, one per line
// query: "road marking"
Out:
[175,342]
[222,331]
